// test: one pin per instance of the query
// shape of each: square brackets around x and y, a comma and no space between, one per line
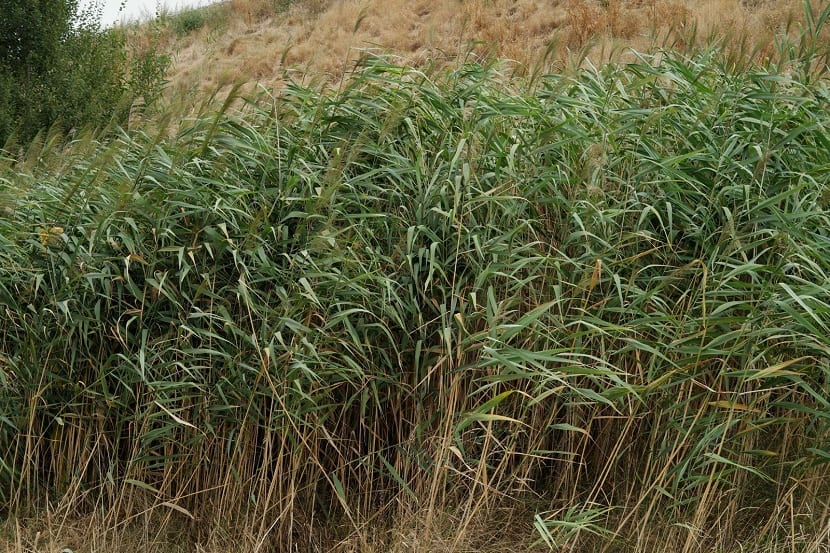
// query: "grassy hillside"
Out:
[438,310]
[259,40]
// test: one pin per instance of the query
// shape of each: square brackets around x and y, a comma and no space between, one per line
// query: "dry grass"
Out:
[257,40]
[504,532]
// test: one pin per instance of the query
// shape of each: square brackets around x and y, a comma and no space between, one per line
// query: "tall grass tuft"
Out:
[606,295]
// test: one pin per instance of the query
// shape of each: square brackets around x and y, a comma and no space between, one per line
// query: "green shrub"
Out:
[188,21]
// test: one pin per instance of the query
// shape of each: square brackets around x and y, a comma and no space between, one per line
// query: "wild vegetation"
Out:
[431,311]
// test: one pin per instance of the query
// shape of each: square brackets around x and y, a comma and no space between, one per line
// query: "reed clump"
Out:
[602,295]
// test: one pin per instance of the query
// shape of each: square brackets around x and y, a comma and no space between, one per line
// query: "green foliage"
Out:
[189,21]
[31,33]
[608,291]
[57,66]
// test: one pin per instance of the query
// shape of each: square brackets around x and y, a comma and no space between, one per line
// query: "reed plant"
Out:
[601,294]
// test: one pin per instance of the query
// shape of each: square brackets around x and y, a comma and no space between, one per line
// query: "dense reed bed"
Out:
[602,296]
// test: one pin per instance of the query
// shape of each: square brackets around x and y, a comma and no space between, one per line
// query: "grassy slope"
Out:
[247,40]
[396,314]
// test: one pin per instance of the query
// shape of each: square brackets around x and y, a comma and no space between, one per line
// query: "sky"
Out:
[138,9]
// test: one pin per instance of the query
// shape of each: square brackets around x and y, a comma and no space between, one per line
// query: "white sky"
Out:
[138,9]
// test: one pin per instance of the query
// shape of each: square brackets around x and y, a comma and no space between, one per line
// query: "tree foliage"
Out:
[58,66]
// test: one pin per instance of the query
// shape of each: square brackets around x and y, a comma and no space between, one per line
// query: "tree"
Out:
[57,66]
[31,32]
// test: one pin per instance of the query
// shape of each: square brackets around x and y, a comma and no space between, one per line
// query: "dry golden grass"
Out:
[503,532]
[257,41]
[506,530]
